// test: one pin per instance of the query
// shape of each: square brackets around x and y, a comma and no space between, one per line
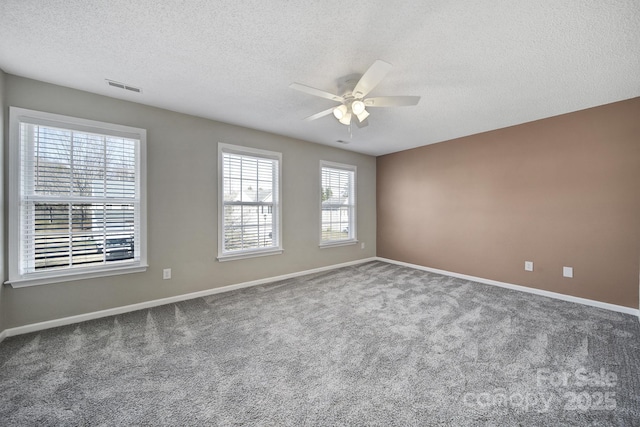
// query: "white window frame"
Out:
[16,277]
[353,228]
[224,255]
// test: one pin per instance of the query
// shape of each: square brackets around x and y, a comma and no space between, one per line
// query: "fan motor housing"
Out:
[346,85]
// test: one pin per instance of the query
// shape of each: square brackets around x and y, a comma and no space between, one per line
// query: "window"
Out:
[338,203]
[77,198]
[248,202]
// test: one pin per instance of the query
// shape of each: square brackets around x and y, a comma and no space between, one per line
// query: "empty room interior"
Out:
[277,213]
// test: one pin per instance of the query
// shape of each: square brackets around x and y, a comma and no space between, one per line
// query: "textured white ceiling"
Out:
[478,65]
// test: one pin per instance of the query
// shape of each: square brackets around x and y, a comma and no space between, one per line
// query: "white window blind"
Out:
[80,198]
[250,191]
[338,203]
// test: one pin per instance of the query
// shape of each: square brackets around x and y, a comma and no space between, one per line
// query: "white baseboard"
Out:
[585,301]
[33,327]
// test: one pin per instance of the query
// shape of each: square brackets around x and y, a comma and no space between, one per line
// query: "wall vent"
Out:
[123,86]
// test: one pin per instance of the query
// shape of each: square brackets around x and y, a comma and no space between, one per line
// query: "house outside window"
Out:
[77,198]
[248,202]
[338,204]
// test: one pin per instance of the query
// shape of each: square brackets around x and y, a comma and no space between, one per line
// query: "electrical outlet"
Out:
[362,245]
[166,273]
[567,271]
[528,265]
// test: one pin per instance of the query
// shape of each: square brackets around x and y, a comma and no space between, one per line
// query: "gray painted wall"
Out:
[3,255]
[182,207]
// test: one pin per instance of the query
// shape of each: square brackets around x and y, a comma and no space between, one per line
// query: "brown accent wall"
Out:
[563,191]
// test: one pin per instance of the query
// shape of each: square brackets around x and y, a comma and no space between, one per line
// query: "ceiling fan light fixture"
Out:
[346,120]
[354,102]
[362,116]
[340,111]
[357,107]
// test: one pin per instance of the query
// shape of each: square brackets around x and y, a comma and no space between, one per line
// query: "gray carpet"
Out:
[374,344]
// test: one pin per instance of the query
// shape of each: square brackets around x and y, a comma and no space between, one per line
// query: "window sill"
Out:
[338,243]
[252,254]
[76,275]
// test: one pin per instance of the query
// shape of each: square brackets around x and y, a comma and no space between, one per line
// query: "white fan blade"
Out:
[371,78]
[392,101]
[320,114]
[316,92]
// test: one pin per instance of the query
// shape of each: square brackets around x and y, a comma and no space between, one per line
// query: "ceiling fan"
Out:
[353,91]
